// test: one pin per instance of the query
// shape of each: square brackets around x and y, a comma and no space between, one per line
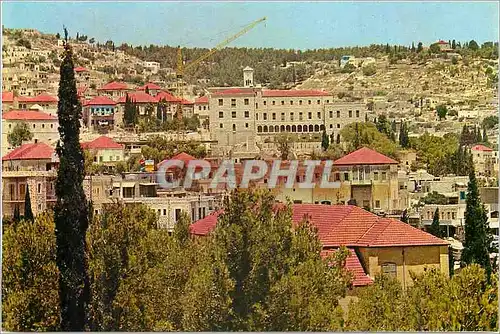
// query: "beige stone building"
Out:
[485,161]
[43,126]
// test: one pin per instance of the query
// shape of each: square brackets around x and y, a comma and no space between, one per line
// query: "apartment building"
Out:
[43,126]
[152,66]
[240,117]
[201,108]
[485,161]
[114,89]
[99,113]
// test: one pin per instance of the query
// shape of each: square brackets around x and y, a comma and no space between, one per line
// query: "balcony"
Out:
[364,182]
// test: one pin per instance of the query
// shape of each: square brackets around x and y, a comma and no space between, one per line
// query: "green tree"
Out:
[435,198]
[453,44]
[130,112]
[404,216]
[357,135]
[489,122]
[325,141]
[71,211]
[283,143]
[435,229]
[441,111]
[420,47]
[404,140]
[17,214]
[30,298]
[28,213]
[369,70]
[478,235]
[19,134]
[434,48]
[473,45]
[485,136]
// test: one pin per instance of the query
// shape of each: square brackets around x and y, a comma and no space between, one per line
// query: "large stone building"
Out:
[242,117]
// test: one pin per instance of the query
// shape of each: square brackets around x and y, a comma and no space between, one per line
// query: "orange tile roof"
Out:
[353,265]
[167,97]
[44,97]
[293,93]
[364,156]
[115,86]
[480,147]
[102,143]
[100,101]
[7,97]
[201,100]
[345,225]
[235,91]
[81,69]
[30,151]
[150,85]
[138,97]
[27,115]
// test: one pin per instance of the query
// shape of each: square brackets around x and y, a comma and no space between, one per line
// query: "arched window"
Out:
[299,128]
[271,129]
[265,128]
[259,128]
[321,127]
[316,128]
[282,128]
[311,128]
[288,128]
[276,128]
[294,128]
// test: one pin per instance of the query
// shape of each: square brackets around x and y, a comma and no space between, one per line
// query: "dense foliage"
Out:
[361,134]
[19,134]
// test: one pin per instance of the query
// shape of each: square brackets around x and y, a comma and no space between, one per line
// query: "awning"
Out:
[124,184]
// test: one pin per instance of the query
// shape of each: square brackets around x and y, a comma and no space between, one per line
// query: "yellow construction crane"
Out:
[181,69]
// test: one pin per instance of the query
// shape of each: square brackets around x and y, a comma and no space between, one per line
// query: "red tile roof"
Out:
[293,93]
[81,69]
[353,265]
[481,148]
[442,42]
[81,90]
[138,97]
[345,225]
[100,101]
[27,115]
[186,102]
[201,100]
[44,97]
[235,91]
[7,97]
[150,86]
[364,156]
[115,86]
[30,151]
[102,143]
[167,97]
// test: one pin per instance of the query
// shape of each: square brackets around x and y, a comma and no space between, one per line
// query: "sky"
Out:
[290,25]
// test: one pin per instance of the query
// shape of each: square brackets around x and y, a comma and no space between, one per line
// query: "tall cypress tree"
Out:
[17,215]
[485,135]
[477,232]
[28,213]
[325,142]
[71,209]
[436,229]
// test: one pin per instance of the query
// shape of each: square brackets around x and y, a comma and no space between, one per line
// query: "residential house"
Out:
[44,100]
[7,101]
[484,160]
[43,126]
[114,89]
[82,74]
[202,110]
[381,245]
[152,88]
[99,113]
[105,150]
[145,103]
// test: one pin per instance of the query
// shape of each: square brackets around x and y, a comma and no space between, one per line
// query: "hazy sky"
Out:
[297,25]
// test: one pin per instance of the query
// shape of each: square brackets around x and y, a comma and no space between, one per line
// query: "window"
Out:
[233,103]
[331,126]
[34,126]
[327,101]
[221,114]
[233,114]
[100,158]
[357,113]
[453,215]
[246,102]
[389,268]
[43,126]
[448,215]
[265,116]
[291,116]
[247,114]
[338,113]
[375,176]
[346,176]
[199,108]
[274,103]
[319,114]
[234,127]
[256,117]
[377,204]
[246,125]
[300,116]
[310,115]
[204,107]
[256,105]
[350,113]
[318,102]
[366,204]
[291,102]
[221,125]
[39,188]
[282,103]
[164,212]
[221,102]
[282,116]
[274,116]
[337,176]
[265,103]
[309,102]
[300,102]
[338,126]
[331,114]
[384,176]
[159,212]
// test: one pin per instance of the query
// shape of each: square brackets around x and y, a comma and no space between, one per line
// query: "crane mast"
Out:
[181,69]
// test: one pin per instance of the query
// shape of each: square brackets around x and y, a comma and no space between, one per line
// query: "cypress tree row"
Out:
[71,210]
[477,233]
[435,228]
[28,212]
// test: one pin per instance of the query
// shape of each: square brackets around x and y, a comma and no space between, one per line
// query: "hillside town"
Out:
[404,136]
